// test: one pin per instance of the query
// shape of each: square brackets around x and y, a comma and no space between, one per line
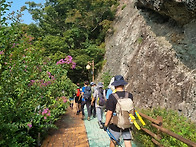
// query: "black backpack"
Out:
[101,100]
[87,93]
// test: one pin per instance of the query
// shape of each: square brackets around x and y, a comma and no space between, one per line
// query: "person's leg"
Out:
[127,143]
[88,103]
[82,107]
[127,138]
[102,110]
[94,110]
[79,106]
[115,135]
[98,112]
[91,109]
[112,143]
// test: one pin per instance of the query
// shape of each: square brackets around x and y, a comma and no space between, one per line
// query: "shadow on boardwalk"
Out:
[70,133]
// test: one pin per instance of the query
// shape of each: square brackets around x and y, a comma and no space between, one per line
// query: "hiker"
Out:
[111,88]
[93,109]
[78,99]
[71,100]
[86,99]
[100,101]
[117,121]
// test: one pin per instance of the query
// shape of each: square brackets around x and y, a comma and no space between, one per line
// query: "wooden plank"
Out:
[157,143]
[158,122]
[188,142]
[151,133]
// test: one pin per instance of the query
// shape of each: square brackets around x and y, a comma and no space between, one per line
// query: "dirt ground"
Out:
[71,132]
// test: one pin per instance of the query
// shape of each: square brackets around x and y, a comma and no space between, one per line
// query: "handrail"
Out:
[157,123]
[175,135]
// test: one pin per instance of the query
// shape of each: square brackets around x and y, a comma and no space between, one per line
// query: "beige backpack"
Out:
[124,107]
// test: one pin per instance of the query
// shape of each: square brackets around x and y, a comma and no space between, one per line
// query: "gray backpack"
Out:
[124,107]
[87,93]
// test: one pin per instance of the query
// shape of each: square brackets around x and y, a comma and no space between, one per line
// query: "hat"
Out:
[92,83]
[119,80]
[100,84]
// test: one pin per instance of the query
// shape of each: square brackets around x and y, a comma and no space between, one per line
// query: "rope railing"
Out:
[157,123]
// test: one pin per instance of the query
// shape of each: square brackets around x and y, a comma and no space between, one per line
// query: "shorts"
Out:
[125,135]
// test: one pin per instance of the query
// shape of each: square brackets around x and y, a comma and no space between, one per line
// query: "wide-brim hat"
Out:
[119,80]
[100,84]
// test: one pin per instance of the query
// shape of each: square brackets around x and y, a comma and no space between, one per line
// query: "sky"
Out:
[17,4]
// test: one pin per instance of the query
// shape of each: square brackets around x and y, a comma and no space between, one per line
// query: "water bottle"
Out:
[130,120]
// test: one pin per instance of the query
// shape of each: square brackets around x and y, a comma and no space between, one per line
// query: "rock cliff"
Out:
[155,51]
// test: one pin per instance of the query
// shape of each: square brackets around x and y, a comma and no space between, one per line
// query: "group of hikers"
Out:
[115,101]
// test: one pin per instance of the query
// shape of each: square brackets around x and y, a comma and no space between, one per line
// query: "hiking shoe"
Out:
[83,117]
[77,113]
[88,118]
[100,124]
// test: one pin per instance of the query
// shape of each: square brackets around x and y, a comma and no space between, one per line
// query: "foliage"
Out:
[106,77]
[33,88]
[73,27]
[173,122]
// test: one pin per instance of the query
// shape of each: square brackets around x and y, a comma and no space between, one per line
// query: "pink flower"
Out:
[1,52]
[73,65]
[29,125]
[45,117]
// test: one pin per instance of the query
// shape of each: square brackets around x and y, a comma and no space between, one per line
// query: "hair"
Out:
[78,84]
[119,86]
[86,83]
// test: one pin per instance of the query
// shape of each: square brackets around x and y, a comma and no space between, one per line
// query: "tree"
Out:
[74,27]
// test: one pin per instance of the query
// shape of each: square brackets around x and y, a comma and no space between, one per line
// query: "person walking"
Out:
[78,99]
[112,122]
[100,101]
[86,99]
[93,89]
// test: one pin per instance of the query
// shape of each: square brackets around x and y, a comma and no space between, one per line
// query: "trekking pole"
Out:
[113,138]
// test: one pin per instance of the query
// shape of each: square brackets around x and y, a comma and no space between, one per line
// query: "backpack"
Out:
[100,100]
[87,93]
[124,107]
[78,92]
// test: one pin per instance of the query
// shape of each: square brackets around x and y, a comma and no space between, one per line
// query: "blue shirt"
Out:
[83,88]
[109,91]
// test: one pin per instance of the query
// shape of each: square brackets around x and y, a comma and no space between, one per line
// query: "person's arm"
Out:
[94,97]
[108,118]
[92,101]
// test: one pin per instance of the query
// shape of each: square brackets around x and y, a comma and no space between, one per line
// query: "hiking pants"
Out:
[93,110]
[99,112]
[87,103]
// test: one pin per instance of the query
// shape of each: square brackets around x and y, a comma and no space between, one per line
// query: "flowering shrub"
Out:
[29,86]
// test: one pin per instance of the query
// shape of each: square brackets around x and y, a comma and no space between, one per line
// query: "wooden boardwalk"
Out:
[71,132]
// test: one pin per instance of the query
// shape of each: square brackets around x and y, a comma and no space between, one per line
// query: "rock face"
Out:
[156,55]
[183,11]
